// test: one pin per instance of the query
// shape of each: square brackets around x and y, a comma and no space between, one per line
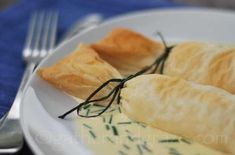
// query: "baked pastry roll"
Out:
[203,63]
[203,113]
[80,73]
[127,50]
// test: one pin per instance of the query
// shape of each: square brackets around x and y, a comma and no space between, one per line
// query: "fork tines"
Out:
[41,35]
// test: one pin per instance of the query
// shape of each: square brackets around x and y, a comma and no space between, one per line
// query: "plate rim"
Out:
[121,17]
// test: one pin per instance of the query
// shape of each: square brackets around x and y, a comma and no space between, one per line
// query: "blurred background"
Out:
[227,4]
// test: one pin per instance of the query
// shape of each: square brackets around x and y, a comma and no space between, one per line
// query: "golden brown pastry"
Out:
[80,72]
[203,113]
[128,51]
[203,63]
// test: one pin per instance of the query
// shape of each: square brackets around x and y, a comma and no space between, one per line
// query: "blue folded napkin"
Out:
[14,25]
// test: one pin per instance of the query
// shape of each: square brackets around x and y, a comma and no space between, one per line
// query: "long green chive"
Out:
[115,92]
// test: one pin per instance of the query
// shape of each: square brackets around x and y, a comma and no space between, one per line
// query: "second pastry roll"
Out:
[184,108]
[204,63]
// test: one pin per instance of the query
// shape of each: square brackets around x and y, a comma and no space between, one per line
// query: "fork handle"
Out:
[14,112]
[11,137]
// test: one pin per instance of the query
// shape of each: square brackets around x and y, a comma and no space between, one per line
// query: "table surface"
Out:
[14,24]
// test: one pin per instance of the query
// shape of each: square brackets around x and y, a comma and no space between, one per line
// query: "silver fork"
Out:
[40,41]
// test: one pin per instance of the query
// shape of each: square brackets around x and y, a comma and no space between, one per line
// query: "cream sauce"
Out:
[114,133]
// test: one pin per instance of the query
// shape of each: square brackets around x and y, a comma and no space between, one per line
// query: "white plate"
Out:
[46,134]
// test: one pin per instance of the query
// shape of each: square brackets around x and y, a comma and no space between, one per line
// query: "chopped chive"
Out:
[122,153]
[109,139]
[87,112]
[130,138]
[89,127]
[115,132]
[141,124]
[103,119]
[99,110]
[110,119]
[139,149]
[144,126]
[169,141]
[126,146]
[107,126]
[92,134]
[97,105]
[135,138]
[185,141]
[145,143]
[119,109]
[146,148]
[124,122]
[111,110]
[86,106]
[173,151]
